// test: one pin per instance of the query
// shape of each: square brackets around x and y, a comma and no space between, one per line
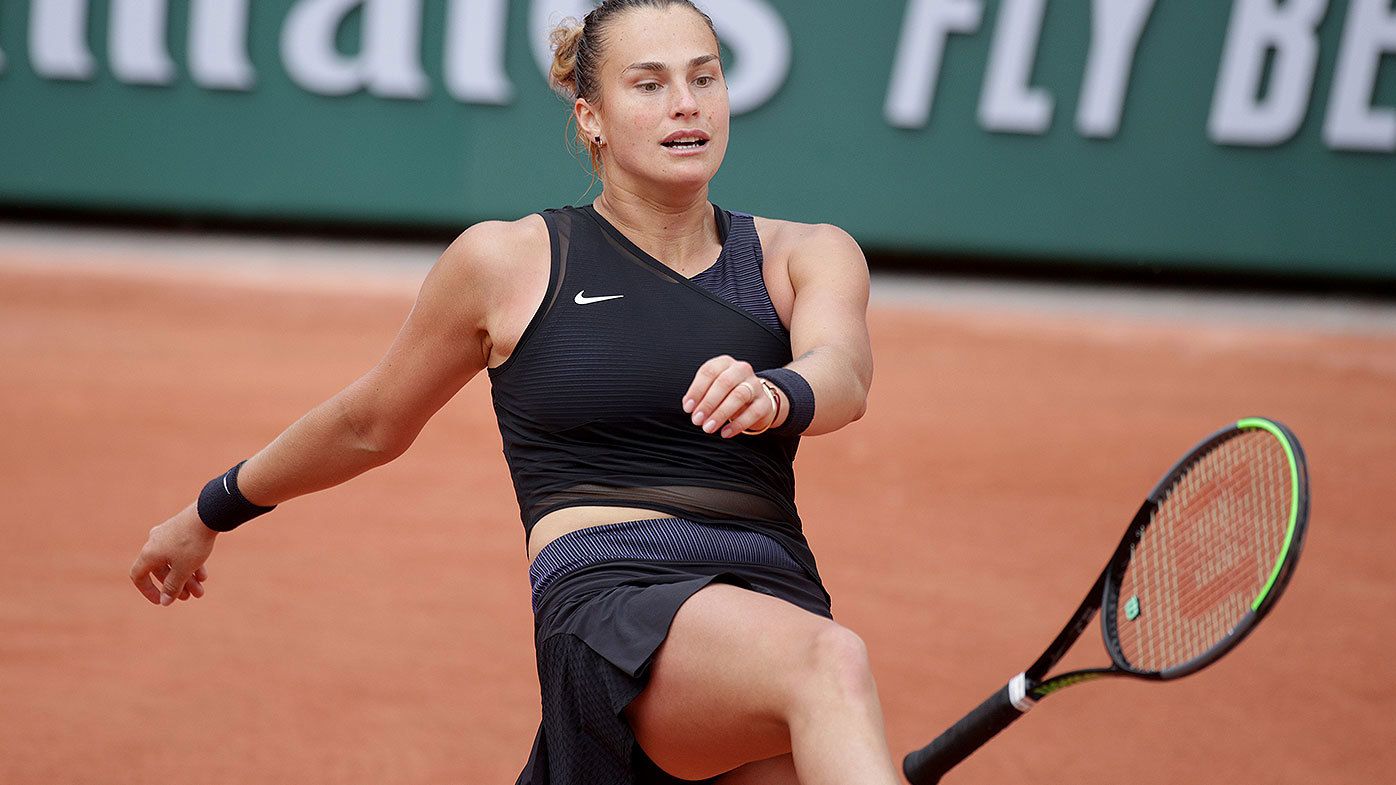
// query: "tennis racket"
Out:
[1203,561]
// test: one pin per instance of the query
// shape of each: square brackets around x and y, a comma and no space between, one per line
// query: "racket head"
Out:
[1209,553]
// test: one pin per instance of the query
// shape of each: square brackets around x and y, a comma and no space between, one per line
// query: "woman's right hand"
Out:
[171,565]
[444,343]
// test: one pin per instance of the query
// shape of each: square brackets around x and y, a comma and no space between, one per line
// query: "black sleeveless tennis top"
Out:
[590,402]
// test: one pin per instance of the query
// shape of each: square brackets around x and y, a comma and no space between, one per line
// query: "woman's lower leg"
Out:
[835,720]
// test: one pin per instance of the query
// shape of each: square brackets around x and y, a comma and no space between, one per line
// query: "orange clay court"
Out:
[380,632]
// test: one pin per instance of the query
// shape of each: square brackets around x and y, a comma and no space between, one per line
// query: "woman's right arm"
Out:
[441,346]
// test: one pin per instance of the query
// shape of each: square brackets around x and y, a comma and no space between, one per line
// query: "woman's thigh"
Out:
[722,685]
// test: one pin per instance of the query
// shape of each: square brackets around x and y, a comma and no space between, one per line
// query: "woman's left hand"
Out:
[726,393]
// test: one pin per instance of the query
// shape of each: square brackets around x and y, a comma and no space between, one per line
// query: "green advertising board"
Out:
[1239,135]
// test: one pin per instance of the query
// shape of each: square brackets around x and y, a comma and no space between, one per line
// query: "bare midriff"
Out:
[560,522]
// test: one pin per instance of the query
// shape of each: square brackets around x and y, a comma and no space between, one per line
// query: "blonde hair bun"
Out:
[566,38]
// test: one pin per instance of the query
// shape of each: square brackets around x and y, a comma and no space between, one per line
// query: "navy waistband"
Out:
[652,539]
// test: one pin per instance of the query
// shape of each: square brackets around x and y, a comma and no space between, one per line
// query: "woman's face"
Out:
[663,110]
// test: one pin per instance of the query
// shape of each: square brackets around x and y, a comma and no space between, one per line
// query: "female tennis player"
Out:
[650,400]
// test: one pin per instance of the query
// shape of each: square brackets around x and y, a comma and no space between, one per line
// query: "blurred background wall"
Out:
[1249,137]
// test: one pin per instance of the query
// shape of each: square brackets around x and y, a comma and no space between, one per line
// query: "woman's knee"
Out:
[836,665]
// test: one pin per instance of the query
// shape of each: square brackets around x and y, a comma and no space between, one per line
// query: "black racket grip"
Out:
[927,765]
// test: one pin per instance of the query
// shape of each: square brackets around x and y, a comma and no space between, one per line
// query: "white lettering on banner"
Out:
[387,63]
[475,34]
[1352,123]
[920,51]
[760,41]
[1116,27]
[137,45]
[754,31]
[218,45]
[138,52]
[1007,102]
[1259,27]
[58,40]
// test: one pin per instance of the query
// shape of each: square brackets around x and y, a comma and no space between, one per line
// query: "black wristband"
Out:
[801,398]
[222,507]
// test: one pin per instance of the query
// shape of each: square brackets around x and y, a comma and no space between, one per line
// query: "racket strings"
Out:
[1207,553]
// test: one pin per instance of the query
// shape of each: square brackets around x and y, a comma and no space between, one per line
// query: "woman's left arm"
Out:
[828,339]
[829,325]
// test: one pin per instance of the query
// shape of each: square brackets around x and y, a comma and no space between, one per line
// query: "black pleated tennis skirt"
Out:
[600,617]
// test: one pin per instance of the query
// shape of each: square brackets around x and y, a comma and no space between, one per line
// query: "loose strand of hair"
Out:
[571,134]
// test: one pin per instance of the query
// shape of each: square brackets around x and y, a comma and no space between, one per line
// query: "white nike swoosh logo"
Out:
[582,299]
[225,485]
